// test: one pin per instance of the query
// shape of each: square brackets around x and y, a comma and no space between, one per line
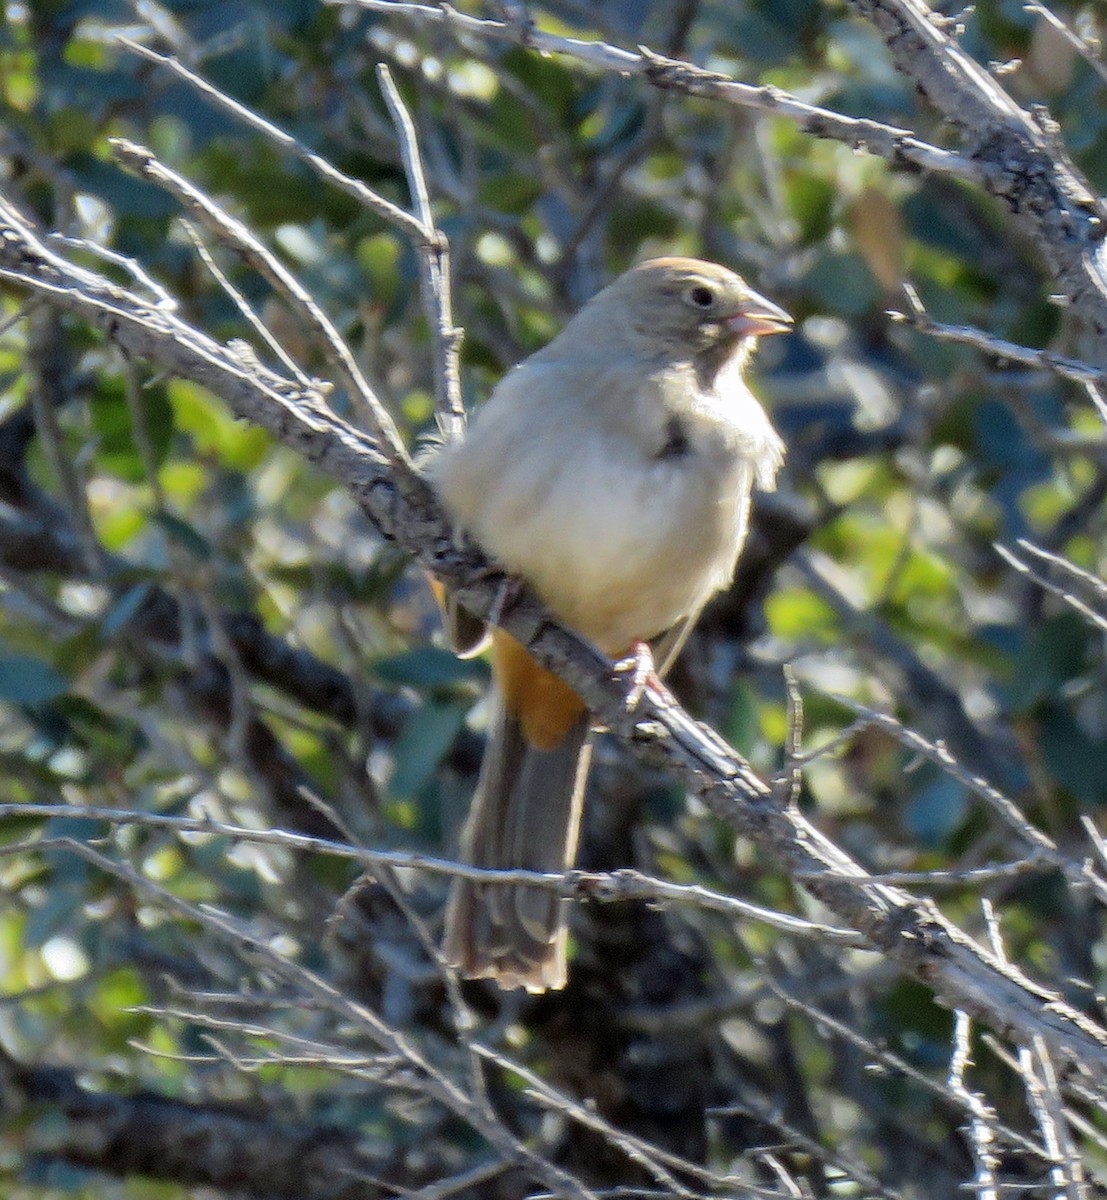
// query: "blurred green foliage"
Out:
[910,460]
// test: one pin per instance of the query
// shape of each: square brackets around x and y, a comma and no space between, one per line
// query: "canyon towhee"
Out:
[612,471]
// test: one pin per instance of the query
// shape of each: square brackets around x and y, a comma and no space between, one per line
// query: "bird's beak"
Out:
[759,317]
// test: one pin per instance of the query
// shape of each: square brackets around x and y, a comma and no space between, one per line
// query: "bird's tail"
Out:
[526,814]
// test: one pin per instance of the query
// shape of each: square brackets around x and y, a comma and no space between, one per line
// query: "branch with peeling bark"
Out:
[1016,155]
[1019,154]
[913,933]
[899,146]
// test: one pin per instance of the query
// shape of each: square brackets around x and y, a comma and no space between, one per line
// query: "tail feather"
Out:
[525,815]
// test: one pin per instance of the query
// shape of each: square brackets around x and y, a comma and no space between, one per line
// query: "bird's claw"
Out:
[641,671]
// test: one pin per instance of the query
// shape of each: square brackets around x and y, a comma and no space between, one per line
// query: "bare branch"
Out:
[1068,571]
[1018,161]
[1074,40]
[981,1134]
[899,146]
[598,886]
[912,932]
[1021,160]
[432,1082]
[963,1102]
[420,227]
[240,1148]
[434,262]
[1039,1078]
[415,228]
[1041,845]
[676,1061]
[133,268]
[142,162]
[965,335]
[239,301]
[1066,1174]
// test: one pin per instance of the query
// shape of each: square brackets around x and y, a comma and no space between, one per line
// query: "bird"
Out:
[612,472]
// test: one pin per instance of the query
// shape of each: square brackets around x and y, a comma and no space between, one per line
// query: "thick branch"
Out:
[1021,159]
[899,146]
[403,507]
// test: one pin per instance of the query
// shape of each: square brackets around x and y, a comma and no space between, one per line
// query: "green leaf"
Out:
[510,193]
[811,200]
[26,680]
[124,608]
[379,257]
[213,430]
[796,612]
[117,442]
[429,667]
[548,80]
[184,534]
[427,737]
[1053,652]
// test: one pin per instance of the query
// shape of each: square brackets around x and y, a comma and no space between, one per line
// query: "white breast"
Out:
[619,543]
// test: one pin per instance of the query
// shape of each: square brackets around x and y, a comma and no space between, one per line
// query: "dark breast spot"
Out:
[676,444]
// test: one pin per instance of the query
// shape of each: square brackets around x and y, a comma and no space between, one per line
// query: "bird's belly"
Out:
[620,550]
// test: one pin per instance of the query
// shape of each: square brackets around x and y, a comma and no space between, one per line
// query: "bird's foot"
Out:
[641,671]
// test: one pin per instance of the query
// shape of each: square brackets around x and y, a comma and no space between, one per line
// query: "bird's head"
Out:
[683,307]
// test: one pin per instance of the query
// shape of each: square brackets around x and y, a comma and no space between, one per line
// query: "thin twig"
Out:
[430,242]
[912,933]
[234,233]
[1066,1175]
[601,887]
[981,1134]
[964,877]
[434,269]
[475,1177]
[433,1082]
[133,268]
[364,195]
[899,146]
[768,1113]
[1039,1079]
[240,302]
[1077,574]
[965,335]
[658,1162]
[1041,844]
[1091,1097]
[793,768]
[894,1064]
[1020,157]
[1074,39]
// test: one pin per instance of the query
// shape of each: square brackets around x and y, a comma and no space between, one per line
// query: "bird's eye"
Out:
[701,297]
